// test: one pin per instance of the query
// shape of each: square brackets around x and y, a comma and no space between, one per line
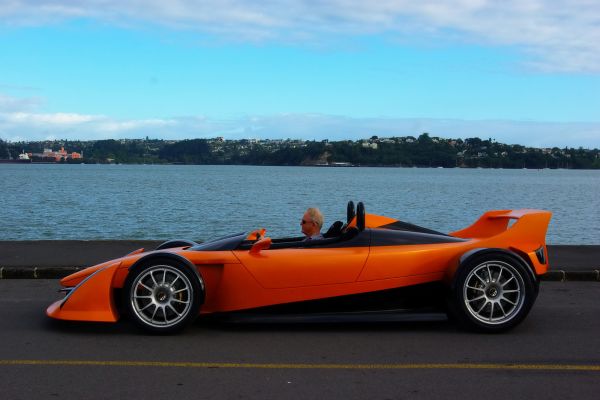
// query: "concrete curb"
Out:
[557,275]
[36,272]
[574,276]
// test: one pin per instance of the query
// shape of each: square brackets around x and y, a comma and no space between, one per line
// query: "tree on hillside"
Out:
[3,149]
[195,151]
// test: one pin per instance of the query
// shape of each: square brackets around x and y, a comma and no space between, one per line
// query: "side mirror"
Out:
[262,244]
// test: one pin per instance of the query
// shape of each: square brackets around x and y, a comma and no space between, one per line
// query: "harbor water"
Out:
[54,201]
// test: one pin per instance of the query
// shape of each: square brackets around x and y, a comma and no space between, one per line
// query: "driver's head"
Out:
[312,221]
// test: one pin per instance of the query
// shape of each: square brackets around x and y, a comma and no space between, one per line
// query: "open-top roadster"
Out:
[486,274]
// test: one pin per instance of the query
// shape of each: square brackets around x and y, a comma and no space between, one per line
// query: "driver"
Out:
[311,224]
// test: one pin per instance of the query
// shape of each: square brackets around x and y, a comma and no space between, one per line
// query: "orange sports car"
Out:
[485,276]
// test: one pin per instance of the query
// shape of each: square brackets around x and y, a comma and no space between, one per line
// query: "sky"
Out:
[520,72]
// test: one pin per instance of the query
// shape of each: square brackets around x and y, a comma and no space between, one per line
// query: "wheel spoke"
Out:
[180,301]
[174,310]
[476,298]
[147,305]
[136,296]
[511,291]
[164,276]
[510,279]
[471,287]
[480,278]
[507,300]
[145,287]
[153,280]
[502,309]
[181,290]
[154,313]
[482,307]
[489,272]
[500,274]
[492,311]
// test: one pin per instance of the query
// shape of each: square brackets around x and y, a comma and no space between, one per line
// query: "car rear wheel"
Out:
[492,293]
[162,296]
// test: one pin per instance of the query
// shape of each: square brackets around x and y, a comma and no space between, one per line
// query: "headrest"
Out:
[350,213]
[360,216]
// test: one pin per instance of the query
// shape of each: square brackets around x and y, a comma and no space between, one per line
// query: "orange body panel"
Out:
[374,221]
[77,277]
[245,279]
[91,301]
[288,268]
[386,262]
[530,225]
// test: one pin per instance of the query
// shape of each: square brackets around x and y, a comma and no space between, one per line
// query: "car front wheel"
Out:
[162,296]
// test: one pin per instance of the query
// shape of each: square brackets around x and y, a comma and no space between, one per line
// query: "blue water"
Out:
[199,202]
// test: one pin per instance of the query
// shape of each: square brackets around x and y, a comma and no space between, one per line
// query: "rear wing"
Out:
[526,224]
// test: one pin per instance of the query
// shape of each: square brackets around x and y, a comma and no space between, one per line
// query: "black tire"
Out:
[492,293]
[162,296]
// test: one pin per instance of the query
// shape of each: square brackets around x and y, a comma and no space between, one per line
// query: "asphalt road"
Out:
[554,354]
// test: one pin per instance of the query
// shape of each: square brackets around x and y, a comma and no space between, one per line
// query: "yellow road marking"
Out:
[536,367]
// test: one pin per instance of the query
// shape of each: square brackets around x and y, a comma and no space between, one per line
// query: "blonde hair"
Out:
[316,216]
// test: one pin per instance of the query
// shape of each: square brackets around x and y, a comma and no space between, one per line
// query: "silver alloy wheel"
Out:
[161,296]
[494,292]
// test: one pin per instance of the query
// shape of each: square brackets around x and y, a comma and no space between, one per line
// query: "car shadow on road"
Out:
[93,328]
[435,323]
[126,327]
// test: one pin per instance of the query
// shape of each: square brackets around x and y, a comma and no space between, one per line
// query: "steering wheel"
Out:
[260,234]
[256,234]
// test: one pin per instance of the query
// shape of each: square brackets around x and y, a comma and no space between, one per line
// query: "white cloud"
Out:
[57,119]
[558,35]
[122,127]
[11,104]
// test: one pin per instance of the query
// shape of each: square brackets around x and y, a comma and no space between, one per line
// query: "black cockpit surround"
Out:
[352,237]
[406,226]
[388,237]
[230,242]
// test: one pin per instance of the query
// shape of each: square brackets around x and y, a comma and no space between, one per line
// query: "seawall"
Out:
[57,258]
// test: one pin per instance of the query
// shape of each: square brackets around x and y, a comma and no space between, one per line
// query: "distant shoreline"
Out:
[405,152]
[302,166]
